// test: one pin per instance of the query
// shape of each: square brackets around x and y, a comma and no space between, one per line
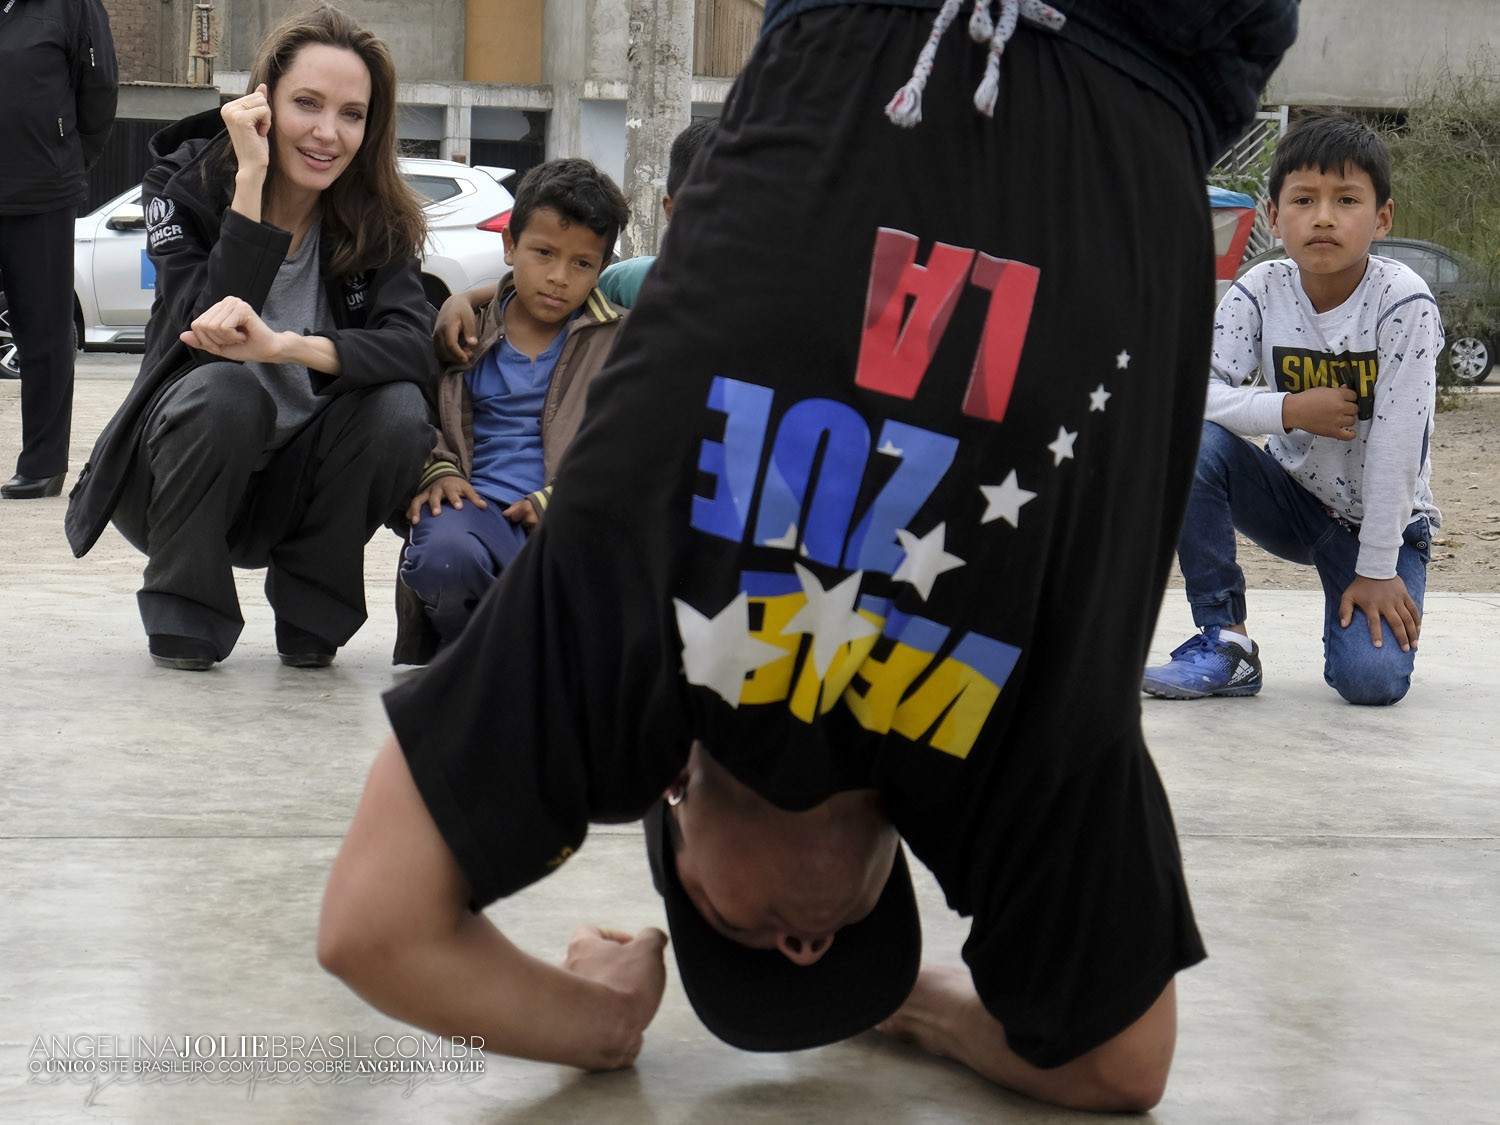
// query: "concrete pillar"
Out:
[457,131]
[564,67]
[658,105]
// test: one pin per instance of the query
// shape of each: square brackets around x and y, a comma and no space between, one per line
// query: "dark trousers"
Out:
[204,496]
[453,558]
[1238,486]
[36,261]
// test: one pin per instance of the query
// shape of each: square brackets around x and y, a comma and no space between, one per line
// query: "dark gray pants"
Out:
[204,497]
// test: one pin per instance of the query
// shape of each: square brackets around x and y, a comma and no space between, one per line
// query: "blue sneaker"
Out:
[1203,665]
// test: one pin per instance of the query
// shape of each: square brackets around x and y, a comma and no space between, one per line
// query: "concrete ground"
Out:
[164,839]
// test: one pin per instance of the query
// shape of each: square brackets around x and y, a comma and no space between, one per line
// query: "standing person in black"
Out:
[279,417]
[58,86]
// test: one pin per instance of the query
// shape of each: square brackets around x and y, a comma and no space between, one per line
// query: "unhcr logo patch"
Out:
[356,291]
[161,230]
[160,210]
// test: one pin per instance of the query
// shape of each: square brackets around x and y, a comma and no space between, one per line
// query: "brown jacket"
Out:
[590,336]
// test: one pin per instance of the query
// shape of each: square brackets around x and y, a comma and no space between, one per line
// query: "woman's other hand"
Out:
[231,329]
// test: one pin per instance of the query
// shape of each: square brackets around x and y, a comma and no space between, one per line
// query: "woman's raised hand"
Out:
[248,121]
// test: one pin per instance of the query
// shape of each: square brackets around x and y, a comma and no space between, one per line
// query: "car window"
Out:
[1447,270]
[435,188]
[1423,262]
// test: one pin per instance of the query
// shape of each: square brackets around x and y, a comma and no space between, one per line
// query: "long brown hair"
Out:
[370,213]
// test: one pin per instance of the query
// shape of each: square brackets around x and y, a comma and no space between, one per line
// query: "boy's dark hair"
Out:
[1331,141]
[578,191]
[685,146]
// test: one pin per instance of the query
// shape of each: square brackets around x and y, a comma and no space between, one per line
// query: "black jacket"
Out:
[203,252]
[58,86]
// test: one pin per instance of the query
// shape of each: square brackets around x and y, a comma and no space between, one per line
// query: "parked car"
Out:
[1470,303]
[114,280]
[1233,214]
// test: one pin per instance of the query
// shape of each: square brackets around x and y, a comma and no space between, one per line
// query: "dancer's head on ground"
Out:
[1331,196]
[772,879]
[331,86]
[790,929]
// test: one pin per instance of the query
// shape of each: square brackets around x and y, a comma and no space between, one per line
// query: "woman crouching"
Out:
[279,416]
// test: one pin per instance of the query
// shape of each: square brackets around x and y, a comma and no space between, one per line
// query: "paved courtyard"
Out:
[164,840]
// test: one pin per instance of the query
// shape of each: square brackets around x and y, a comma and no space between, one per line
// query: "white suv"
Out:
[114,281]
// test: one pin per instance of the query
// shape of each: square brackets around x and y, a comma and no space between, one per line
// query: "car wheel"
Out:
[9,368]
[434,290]
[1470,359]
[10,358]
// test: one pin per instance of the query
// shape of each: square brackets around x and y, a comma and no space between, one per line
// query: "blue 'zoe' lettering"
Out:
[817,512]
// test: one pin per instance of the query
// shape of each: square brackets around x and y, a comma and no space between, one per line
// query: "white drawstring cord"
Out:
[905,109]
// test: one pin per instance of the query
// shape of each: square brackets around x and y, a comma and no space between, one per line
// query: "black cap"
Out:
[758,999]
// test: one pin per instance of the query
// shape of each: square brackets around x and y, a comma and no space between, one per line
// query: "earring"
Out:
[675,795]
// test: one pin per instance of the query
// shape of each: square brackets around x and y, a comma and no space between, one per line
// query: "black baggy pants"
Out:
[204,497]
[36,261]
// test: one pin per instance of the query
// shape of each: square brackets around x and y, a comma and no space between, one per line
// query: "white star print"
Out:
[1063,446]
[890,449]
[1122,361]
[828,617]
[789,540]
[1003,501]
[1097,398]
[925,559]
[718,652]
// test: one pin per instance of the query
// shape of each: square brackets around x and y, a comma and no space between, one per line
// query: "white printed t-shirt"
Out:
[1383,343]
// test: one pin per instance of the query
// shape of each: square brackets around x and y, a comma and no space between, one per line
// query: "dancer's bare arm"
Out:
[396,928]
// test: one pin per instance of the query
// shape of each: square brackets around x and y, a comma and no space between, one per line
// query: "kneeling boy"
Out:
[1348,342]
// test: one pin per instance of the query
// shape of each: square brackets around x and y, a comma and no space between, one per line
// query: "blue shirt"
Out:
[621,282]
[509,389]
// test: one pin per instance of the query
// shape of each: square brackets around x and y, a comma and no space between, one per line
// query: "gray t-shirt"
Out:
[296,303]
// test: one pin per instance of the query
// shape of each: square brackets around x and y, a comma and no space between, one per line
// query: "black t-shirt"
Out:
[858,508]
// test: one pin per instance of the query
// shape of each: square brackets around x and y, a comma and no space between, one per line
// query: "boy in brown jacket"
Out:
[510,399]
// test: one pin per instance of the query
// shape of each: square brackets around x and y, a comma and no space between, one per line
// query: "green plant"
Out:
[1445,159]
[1246,167]
[1445,168]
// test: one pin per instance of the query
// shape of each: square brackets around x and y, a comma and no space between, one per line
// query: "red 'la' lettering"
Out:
[1012,287]
[908,307]
[897,345]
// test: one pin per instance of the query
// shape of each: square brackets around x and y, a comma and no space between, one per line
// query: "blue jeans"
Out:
[454,558]
[1238,486]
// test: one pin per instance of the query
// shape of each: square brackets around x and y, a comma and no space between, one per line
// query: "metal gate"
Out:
[124,161]
[1247,166]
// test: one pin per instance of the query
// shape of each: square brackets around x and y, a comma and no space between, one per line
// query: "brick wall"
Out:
[137,29]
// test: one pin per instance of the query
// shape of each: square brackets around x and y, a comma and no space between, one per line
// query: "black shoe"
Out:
[186,654]
[31,488]
[301,649]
